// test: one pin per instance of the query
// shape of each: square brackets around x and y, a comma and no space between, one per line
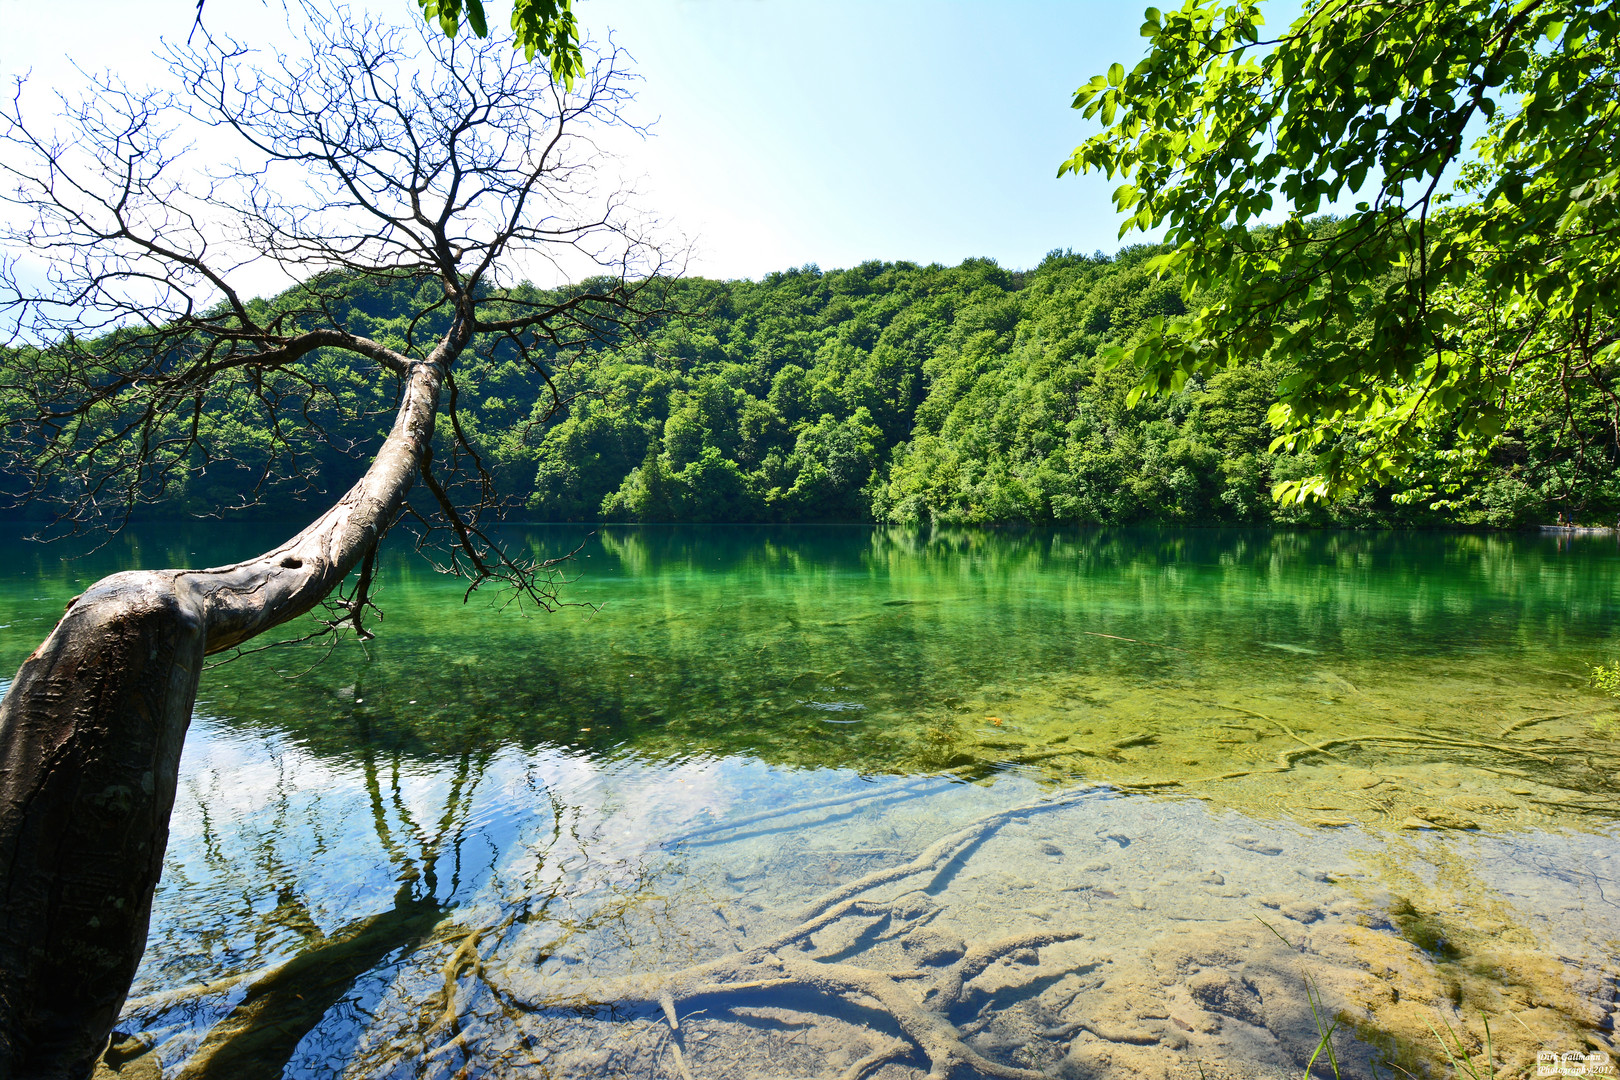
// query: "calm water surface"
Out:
[843,802]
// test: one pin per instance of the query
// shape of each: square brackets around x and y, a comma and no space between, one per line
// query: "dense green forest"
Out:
[887,392]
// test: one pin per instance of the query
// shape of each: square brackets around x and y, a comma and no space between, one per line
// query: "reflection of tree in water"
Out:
[387,987]
[564,886]
[241,934]
[505,991]
[282,1004]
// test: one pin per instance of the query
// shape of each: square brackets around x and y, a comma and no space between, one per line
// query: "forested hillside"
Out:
[889,392]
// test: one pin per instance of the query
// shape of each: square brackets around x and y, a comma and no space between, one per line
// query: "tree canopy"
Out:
[1473,280]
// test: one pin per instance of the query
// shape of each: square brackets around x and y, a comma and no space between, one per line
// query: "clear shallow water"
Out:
[489,840]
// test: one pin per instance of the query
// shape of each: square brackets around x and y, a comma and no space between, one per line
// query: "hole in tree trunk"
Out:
[292,562]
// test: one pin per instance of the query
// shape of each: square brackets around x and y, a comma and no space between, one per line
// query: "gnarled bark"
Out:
[90,738]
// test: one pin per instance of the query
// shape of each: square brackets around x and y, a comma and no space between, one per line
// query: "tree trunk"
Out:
[90,740]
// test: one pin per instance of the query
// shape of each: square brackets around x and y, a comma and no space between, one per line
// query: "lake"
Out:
[856,803]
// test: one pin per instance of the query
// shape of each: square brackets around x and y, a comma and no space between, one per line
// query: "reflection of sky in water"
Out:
[257,816]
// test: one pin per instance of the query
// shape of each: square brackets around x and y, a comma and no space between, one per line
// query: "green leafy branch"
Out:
[1420,315]
[541,28]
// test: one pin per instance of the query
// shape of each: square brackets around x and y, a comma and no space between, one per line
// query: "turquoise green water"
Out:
[487,835]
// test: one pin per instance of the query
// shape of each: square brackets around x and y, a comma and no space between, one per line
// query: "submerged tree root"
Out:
[1287,759]
[787,962]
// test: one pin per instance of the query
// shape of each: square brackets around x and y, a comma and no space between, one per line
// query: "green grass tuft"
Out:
[1461,1062]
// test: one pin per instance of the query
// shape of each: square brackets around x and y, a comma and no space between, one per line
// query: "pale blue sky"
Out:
[834,132]
[789,131]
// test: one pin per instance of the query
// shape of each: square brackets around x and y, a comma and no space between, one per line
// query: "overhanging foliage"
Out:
[1418,322]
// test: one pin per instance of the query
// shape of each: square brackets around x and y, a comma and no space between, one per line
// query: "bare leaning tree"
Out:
[379,160]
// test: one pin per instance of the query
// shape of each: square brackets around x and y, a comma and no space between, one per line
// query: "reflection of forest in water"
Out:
[846,645]
[472,826]
[1256,669]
